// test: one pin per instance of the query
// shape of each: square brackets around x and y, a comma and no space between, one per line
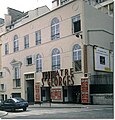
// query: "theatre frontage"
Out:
[57,86]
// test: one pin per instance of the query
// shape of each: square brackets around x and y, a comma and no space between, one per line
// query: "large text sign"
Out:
[63,77]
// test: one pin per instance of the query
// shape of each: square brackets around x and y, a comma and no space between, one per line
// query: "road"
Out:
[91,112]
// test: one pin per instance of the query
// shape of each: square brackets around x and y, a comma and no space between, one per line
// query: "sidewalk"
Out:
[3,113]
[61,105]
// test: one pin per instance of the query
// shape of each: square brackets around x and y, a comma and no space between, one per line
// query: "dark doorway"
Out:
[45,94]
[30,91]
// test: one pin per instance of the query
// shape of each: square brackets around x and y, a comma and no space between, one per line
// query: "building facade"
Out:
[44,58]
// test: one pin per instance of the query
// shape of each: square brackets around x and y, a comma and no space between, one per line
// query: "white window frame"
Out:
[55,32]
[26,41]
[77,57]
[38,63]
[38,37]
[16,43]
[55,59]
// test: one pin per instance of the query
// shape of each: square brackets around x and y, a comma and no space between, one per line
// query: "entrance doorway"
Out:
[30,91]
[71,94]
[45,94]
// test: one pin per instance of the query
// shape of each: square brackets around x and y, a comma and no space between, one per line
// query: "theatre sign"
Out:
[62,77]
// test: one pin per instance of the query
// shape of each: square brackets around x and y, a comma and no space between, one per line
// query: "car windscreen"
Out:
[20,99]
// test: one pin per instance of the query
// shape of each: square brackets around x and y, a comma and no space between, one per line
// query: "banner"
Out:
[85,90]
[37,92]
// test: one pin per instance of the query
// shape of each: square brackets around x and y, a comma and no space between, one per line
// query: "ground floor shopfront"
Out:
[57,86]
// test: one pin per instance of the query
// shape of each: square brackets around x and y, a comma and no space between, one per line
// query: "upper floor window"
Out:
[16,70]
[6,48]
[38,37]
[16,80]
[16,44]
[76,23]
[55,59]
[55,29]
[38,63]
[26,41]
[63,1]
[77,57]
[29,60]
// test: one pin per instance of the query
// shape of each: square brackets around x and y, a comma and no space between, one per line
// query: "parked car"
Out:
[13,104]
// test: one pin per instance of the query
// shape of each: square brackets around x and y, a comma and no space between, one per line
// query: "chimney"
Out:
[7,20]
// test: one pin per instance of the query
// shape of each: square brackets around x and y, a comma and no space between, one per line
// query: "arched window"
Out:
[77,57]
[38,63]
[55,59]
[16,44]
[55,29]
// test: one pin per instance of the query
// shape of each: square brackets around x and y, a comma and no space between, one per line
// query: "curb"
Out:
[3,113]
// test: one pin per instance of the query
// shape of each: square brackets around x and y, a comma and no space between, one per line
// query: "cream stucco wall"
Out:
[65,44]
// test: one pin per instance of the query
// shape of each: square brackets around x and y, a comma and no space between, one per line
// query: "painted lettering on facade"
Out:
[63,77]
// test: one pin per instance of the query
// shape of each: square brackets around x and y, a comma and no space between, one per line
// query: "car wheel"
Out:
[25,108]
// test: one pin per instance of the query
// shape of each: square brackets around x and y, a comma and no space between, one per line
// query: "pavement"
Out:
[3,113]
[61,105]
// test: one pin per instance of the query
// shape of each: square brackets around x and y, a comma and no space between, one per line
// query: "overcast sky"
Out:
[22,5]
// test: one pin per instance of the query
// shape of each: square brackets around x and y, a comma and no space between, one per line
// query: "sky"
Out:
[22,5]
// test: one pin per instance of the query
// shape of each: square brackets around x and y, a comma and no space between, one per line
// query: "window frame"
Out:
[16,43]
[38,63]
[55,29]
[55,59]
[76,20]
[26,41]
[17,77]
[6,46]
[77,57]
[38,37]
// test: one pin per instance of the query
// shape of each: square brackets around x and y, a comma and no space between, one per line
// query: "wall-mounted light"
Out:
[78,35]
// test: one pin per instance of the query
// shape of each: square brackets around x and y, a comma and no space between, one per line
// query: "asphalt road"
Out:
[63,113]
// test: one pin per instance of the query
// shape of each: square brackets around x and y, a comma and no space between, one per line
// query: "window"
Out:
[16,69]
[38,63]
[76,23]
[2,87]
[16,45]
[55,59]
[38,37]
[26,41]
[29,60]
[63,1]
[16,80]
[55,29]
[77,57]
[6,48]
